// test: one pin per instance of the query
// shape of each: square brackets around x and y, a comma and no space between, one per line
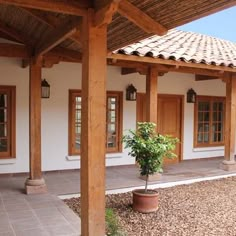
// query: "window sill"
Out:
[108,156]
[208,149]
[6,161]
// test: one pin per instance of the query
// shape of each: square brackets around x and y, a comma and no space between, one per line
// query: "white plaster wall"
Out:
[65,76]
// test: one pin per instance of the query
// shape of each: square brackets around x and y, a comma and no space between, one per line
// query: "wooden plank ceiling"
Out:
[53,26]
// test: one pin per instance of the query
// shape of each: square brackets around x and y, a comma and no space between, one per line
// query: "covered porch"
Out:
[88,32]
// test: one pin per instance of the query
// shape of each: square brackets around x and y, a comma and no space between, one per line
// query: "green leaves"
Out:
[149,148]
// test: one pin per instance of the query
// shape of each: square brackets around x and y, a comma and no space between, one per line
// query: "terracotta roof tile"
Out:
[185,46]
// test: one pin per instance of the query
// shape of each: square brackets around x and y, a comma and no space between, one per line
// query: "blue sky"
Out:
[220,25]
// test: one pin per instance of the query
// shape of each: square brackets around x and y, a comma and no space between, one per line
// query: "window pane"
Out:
[206,116]
[203,106]
[206,137]
[215,116]
[78,102]
[3,115]
[3,100]
[3,145]
[200,116]
[111,142]
[3,130]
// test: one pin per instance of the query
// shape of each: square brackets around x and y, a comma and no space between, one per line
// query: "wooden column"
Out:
[93,133]
[230,125]
[151,95]
[35,183]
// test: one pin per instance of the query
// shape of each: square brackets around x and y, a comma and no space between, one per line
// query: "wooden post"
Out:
[151,95]
[230,125]
[35,183]
[93,131]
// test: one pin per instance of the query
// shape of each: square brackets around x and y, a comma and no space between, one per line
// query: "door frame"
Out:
[181,97]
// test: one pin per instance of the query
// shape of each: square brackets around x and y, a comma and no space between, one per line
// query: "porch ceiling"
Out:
[42,25]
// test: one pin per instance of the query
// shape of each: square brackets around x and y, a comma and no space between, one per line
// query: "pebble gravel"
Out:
[206,208]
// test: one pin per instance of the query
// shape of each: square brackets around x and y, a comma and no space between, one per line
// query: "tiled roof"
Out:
[185,46]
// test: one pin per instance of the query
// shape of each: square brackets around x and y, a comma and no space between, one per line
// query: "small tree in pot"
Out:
[149,150]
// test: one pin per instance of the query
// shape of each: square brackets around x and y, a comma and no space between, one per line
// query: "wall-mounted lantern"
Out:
[131,93]
[45,89]
[191,96]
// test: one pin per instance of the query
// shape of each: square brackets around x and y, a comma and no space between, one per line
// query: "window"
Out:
[209,121]
[7,122]
[113,121]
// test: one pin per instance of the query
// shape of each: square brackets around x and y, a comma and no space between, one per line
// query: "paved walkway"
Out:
[46,214]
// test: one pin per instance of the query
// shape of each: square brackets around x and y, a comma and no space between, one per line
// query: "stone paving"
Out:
[46,214]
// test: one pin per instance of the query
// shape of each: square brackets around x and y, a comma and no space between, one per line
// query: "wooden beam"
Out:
[150,60]
[205,77]
[13,50]
[56,37]
[151,95]
[51,21]
[70,7]
[105,14]
[93,128]
[139,18]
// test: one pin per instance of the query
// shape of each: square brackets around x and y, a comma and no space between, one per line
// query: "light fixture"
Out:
[131,93]
[45,89]
[191,96]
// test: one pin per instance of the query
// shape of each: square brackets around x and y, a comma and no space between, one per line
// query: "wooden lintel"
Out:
[139,18]
[104,15]
[205,77]
[56,37]
[71,7]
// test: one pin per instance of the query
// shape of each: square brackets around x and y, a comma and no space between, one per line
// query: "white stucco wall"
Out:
[65,76]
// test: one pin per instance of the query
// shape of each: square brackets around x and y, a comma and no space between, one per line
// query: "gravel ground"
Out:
[206,208]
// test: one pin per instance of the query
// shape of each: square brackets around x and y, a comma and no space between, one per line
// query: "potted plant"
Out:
[149,150]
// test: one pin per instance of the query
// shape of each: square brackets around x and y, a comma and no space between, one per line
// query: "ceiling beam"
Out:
[56,37]
[139,18]
[206,77]
[105,14]
[51,21]
[13,50]
[71,7]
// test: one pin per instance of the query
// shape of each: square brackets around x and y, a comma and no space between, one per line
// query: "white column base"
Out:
[228,165]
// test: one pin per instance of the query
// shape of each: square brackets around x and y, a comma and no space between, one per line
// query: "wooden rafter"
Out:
[140,19]
[57,36]
[71,7]
[51,21]
[104,15]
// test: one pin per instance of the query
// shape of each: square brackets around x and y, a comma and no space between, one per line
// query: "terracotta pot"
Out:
[145,202]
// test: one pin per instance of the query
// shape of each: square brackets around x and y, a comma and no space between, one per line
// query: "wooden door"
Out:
[169,117]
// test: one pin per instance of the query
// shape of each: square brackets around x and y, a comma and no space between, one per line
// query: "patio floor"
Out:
[46,214]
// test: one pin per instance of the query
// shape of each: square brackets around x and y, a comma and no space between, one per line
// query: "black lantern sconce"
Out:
[45,89]
[131,93]
[191,96]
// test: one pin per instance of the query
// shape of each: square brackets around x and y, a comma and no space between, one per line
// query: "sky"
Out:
[220,25]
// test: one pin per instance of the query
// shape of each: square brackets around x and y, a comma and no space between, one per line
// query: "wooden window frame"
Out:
[72,94]
[11,127]
[209,99]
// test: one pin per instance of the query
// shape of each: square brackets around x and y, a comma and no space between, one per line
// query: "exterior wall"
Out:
[65,76]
